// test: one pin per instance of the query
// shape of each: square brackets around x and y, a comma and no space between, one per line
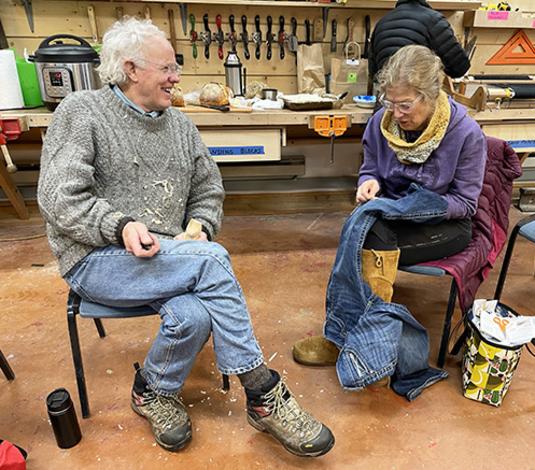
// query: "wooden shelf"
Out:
[458,5]
[500,19]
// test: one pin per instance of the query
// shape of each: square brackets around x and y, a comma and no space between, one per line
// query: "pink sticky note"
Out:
[498,15]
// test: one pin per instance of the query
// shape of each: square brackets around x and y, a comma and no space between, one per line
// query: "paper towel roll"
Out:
[10,92]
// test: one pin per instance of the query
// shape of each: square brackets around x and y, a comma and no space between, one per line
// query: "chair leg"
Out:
[6,368]
[100,327]
[226,383]
[77,360]
[447,325]
[506,261]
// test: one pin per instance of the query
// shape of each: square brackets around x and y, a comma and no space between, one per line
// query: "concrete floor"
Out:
[283,264]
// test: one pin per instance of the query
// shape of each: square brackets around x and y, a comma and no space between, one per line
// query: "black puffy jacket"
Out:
[415,22]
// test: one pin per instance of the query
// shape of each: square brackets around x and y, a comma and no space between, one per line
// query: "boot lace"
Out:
[287,411]
[166,411]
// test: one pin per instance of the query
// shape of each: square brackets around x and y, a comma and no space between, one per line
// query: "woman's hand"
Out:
[139,241]
[367,190]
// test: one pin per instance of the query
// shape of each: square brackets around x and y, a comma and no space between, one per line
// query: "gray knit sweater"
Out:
[102,162]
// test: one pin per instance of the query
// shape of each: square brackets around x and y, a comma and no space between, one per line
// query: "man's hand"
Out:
[139,241]
[367,190]
[183,236]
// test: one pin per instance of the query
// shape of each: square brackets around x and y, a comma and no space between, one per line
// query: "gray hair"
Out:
[414,67]
[122,42]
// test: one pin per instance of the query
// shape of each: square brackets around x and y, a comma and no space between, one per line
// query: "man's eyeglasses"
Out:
[402,106]
[166,69]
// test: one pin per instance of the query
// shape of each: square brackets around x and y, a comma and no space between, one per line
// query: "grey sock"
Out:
[256,379]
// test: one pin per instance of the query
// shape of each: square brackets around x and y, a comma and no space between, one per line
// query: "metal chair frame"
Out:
[73,309]
[509,254]
[446,328]
[6,368]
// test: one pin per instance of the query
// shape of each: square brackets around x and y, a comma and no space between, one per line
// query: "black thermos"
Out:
[63,418]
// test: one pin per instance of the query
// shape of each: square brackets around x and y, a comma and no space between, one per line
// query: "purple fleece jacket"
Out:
[455,169]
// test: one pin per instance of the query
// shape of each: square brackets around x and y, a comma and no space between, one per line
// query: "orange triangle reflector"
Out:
[517,51]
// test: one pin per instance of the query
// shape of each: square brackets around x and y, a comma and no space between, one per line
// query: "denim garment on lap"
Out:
[377,338]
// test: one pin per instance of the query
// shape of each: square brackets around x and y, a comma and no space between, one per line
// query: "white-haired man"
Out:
[122,173]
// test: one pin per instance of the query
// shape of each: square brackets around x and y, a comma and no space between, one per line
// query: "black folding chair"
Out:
[78,306]
[6,368]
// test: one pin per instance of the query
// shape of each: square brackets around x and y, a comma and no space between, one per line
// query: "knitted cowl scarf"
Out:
[419,150]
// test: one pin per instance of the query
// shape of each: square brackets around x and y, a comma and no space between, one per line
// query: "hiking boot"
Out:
[315,351]
[278,413]
[167,416]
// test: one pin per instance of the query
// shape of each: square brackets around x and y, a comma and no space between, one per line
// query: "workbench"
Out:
[260,135]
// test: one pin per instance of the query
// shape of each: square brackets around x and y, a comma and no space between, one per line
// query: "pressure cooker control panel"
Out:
[58,81]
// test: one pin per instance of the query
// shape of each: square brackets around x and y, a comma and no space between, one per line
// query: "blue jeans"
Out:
[192,285]
[378,338]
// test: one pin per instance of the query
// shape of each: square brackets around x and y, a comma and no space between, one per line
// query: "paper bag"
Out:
[310,69]
[350,73]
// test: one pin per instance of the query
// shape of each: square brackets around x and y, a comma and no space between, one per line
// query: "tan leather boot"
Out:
[315,351]
[379,269]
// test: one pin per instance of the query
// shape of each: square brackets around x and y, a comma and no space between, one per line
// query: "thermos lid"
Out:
[232,60]
[53,49]
[58,400]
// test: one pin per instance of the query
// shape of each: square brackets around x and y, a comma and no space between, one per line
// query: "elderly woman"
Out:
[122,175]
[420,137]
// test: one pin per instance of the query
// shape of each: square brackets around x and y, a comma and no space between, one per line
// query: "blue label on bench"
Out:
[237,150]
[521,143]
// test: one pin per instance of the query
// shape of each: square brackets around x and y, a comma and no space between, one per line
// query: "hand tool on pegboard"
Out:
[350,26]
[193,36]
[332,127]
[206,36]
[325,17]
[269,36]
[184,17]
[146,13]
[119,13]
[367,31]
[219,36]
[292,38]
[172,30]
[29,13]
[245,37]
[281,37]
[308,32]
[232,36]
[257,37]
[334,26]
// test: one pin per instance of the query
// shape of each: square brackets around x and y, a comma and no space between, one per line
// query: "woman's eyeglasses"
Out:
[402,106]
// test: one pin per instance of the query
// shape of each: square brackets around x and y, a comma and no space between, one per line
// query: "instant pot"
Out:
[65,67]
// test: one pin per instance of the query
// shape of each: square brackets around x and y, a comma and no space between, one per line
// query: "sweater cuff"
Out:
[108,224]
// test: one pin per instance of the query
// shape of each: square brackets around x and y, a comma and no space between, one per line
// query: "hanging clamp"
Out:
[330,126]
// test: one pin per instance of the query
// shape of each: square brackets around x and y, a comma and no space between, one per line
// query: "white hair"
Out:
[125,40]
